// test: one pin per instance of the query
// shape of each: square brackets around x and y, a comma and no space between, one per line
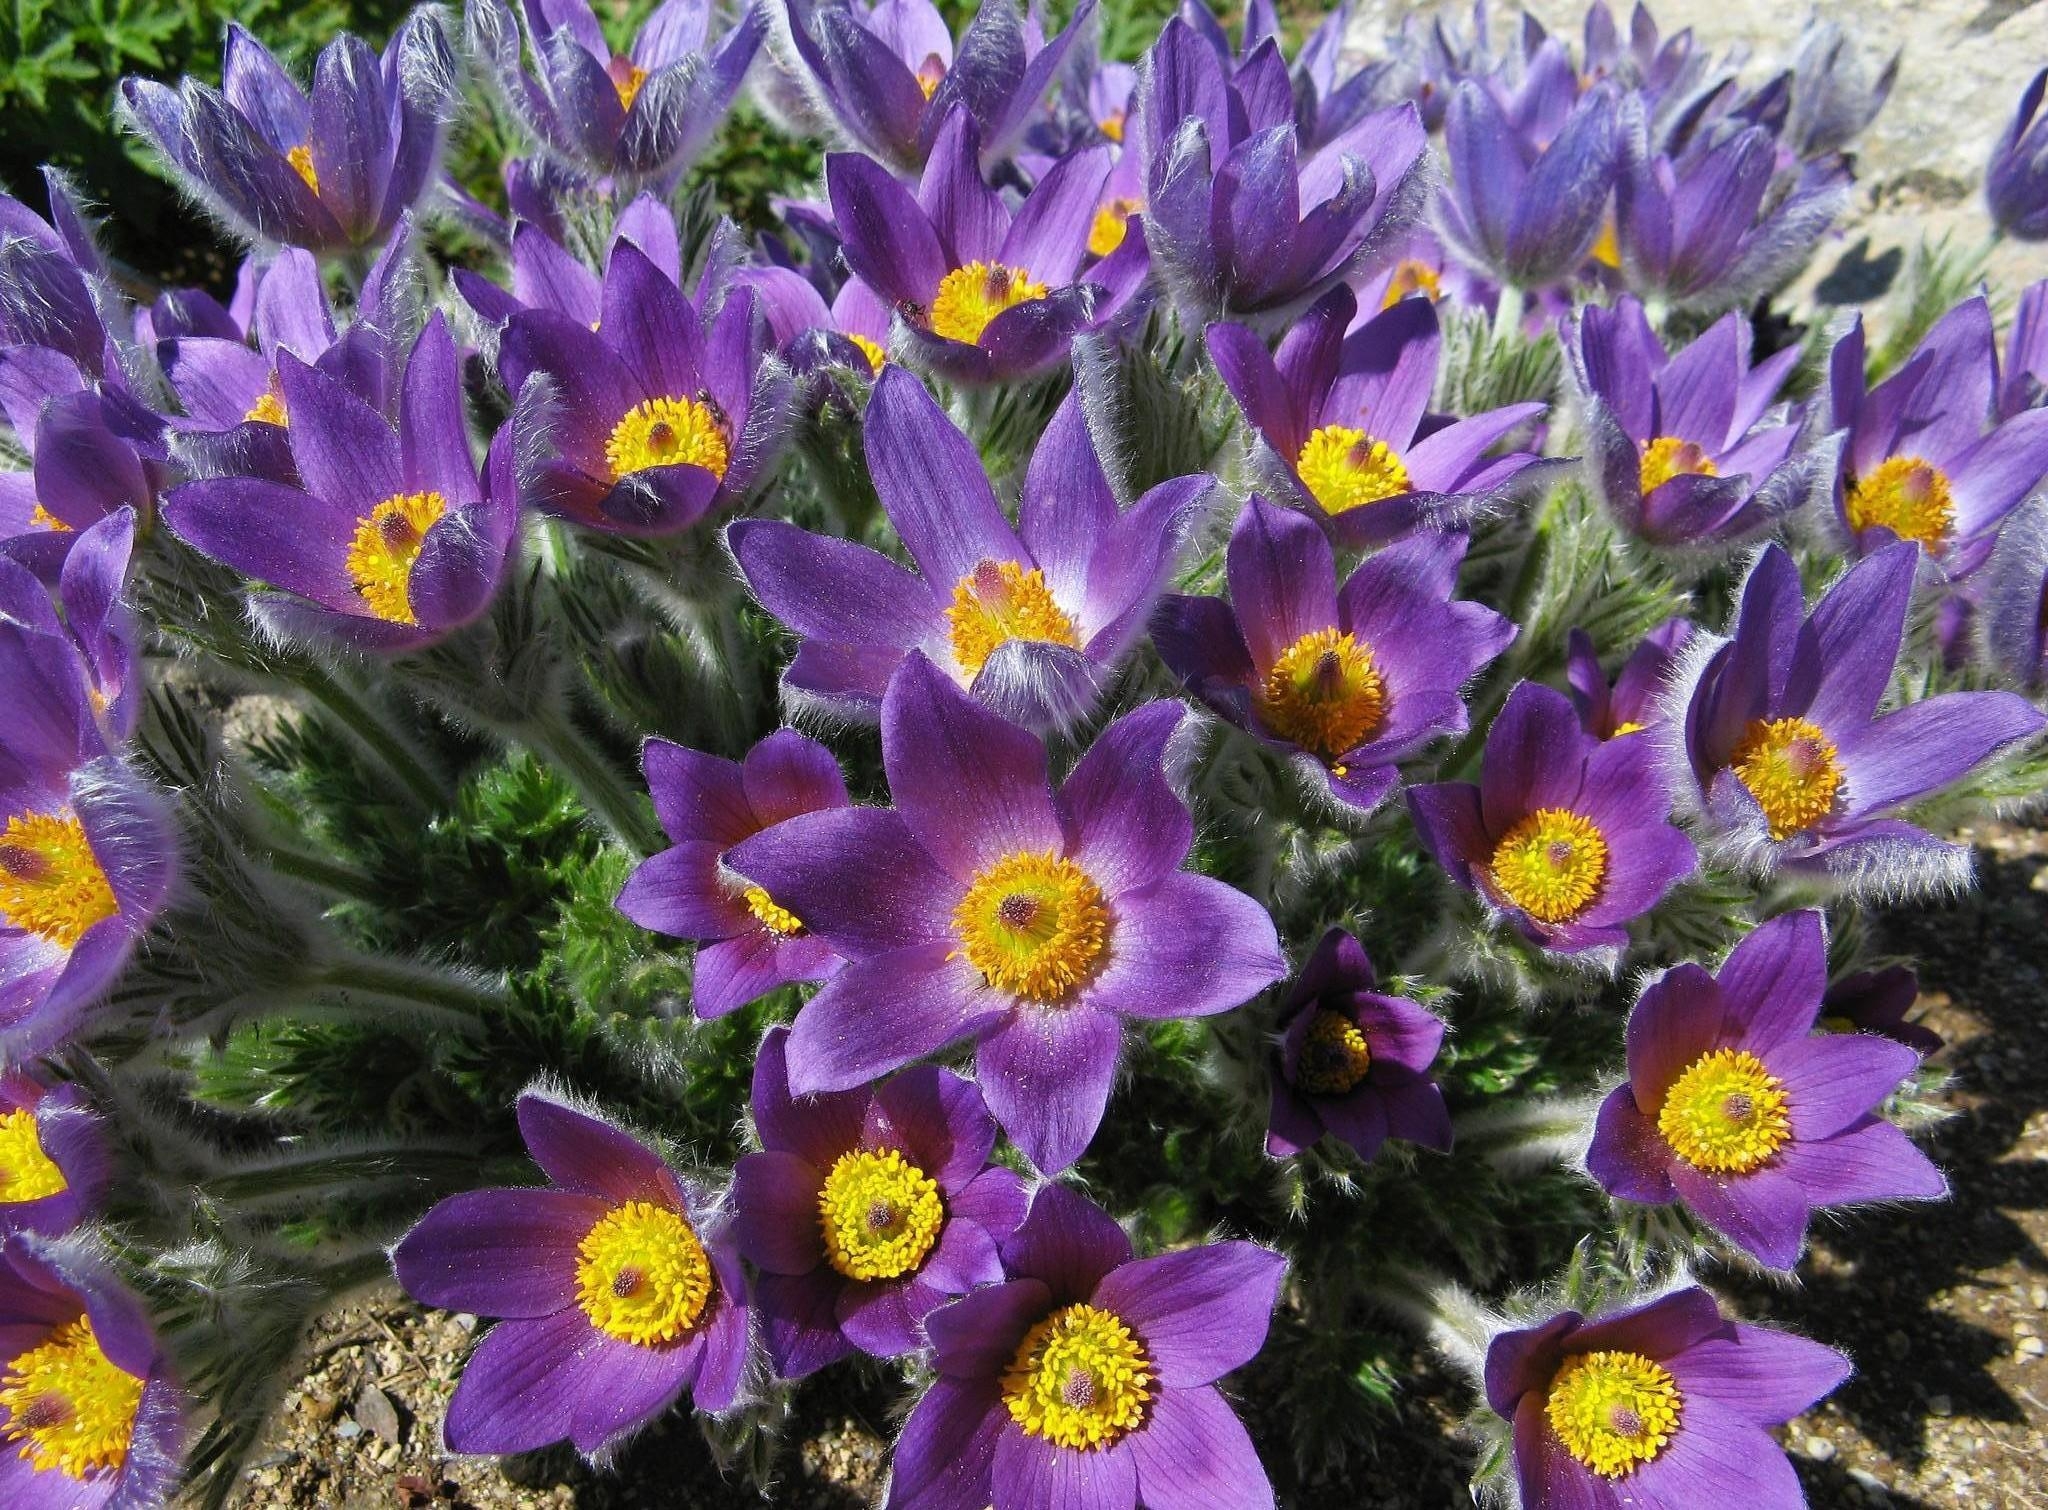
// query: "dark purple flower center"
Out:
[20,861]
[1079,1389]
[626,1281]
[44,1412]
[397,529]
[1738,1107]
[1559,853]
[881,1216]
[1625,1421]
[1018,910]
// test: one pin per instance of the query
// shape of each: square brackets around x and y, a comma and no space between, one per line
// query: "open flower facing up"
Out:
[1790,758]
[55,1165]
[1663,1406]
[1567,836]
[749,944]
[1877,1001]
[331,170]
[1032,619]
[620,1291]
[985,906]
[1089,1378]
[391,540]
[1348,680]
[644,112]
[1635,699]
[1354,1061]
[1683,448]
[1346,419]
[2016,182]
[867,1209]
[1735,1106]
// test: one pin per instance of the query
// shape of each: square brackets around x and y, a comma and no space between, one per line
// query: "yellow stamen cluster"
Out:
[1034,925]
[1346,469]
[931,73]
[268,408]
[1909,497]
[385,549]
[42,519]
[772,915]
[880,1214]
[1080,1380]
[1000,601]
[627,77]
[1412,277]
[1613,1412]
[1550,864]
[1106,232]
[301,159]
[641,1274]
[26,1172]
[971,296]
[1627,726]
[667,432]
[1667,457]
[51,883]
[1793,771]
[872,350]
[1334,1056]
[1607,247]
[69,1405]
[1112,125]
[1726,1114]
[1325,693]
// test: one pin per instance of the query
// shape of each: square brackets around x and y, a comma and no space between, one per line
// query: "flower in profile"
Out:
[867,1209]
[1089,1377]
[1033,619]
[547,275]
[330,170]
[2013,589]
[2016,182]
[1736,1107]
[618,1288]
[1354,1061]
[641,113]
[1345,420]
[1524,214]
[1684,447]
[55,1165]
[1877,1001]
[749,944]
[1791,761]
[87,618]
[1349,680]
[982,906]
[1661,1405]
[391,540]
[1566,836]
[2023,384]
[1635,699]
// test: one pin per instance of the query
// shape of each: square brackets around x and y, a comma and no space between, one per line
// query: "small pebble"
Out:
[1820,1449]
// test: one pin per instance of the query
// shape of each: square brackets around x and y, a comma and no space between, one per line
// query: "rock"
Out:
[1820,1449]
[2031,1347]
[377,1414]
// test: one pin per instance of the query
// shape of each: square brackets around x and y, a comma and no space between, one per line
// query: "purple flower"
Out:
[55,1164]
[86,618]
[2024,384]
[1877,1001]
[1635,700]
[94,451]
[1417,265]
[1662,1406]
[547,275]
[867,1210]
[1735,1106]
[749,943]
[1565,835]
[391,540]
[620,1289]
[2016,182]
[1525,215]
[2014,592]
[1089,1378]
[1313,401]
[1789,756]
[1353,1061]
[1032,619]
[1684,448]
[1350,680]
[985,907]
[647,111]
[331,170]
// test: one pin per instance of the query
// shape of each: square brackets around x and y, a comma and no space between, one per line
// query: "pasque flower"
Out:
[2013,589]
[1354,1061]
[749,943]
[1032,619]
[867,1209]
[1089,1378]
[55,1165]
[2016,181]
[620,1288]
[1347,680]
[547,275]
[984,906]
[1661,1405]
[1566,836]
[1877,1001]
[86,617]
[1635,699]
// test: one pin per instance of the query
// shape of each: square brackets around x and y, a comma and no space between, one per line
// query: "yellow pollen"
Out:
[51,883]
[1080,1380]
[385,548]
[1909,497]
[69,1405]
[1627,726]
[1614,1412]
[777,919]
[627,77]
[872,350]
[1346,469]
[880,1214]
[1792,770]
[301,159]
[26,1172]
[42,518]
[667,432]
[268,408]
[971,296]
[1034,925]
[1000,601]
[1550,864]
[1325,693]
[641,1274]
[1726,1114]
[1667,457]
[1106,234]
[1334,1057]
[1112,125]
[1412,277]
[931,73]
[1607,250]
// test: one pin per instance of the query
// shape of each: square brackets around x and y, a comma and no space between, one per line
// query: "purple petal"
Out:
[498,1252]
[587,1154]
[1125,825]
[1201,1312]
[1046,1074]
[1067,1241]
[882,1013]
[1194,1454]
[1283,579]
[1030,1473]
[1762,1375]
[1772,981]
[1834,1079]
[1188,946]
[947,1447]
